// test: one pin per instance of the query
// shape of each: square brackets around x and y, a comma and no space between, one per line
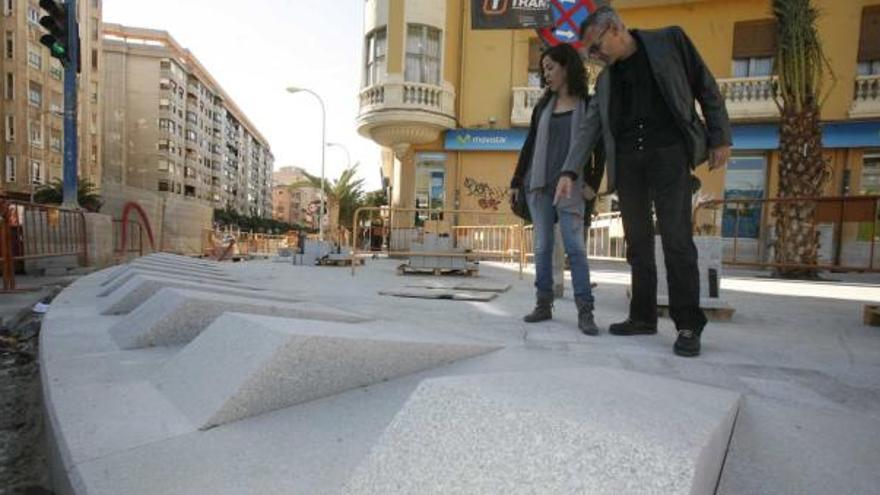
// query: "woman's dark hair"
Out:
[575,73]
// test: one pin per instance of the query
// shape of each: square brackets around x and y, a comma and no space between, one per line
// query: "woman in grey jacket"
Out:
[540,167]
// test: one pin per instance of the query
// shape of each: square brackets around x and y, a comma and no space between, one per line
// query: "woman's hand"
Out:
[563,189]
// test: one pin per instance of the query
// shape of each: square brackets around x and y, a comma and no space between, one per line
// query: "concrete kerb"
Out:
[227,374]
[586,430]
[140,288]
[176,316]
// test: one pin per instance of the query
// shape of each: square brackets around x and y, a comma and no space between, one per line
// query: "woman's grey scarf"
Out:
[539,157]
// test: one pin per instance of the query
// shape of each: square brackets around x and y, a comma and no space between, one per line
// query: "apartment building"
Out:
[172,130]
[453,103]
[32,103]
[294,206]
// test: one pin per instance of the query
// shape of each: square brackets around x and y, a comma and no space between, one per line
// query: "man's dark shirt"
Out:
[640,117]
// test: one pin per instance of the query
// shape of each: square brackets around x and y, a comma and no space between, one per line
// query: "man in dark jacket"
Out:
[644,110]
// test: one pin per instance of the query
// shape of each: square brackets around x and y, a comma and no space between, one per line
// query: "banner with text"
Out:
[510,14]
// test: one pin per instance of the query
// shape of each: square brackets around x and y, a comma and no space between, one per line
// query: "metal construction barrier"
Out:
[400,227]
[128,241]
[30,231]
[237,243]
[844,226]
[605,239]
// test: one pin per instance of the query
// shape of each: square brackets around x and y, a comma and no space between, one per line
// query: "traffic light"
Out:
[56,24]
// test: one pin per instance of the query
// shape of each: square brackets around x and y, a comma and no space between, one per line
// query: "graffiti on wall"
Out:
[488,197]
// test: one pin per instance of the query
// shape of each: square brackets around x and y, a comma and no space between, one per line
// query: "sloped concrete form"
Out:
[158,263]
[181,258]
[140,288]
[129,274]
[177,316]
[123,275]
[587,430]
[245,365]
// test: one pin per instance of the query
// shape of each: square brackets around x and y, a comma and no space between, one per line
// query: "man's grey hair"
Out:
[602,18]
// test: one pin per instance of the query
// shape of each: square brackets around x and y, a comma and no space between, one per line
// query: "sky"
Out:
[257,48]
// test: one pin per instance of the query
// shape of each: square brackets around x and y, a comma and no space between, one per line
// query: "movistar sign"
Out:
[485,139]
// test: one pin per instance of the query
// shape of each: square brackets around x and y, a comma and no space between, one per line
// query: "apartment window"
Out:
[33,15]
[35,57]
[191,136]
[754,45]
[94,92]
[10,128]
[94,59]
[37,176]
[55,70]
[35,94]
[376,45]
[535,48]
[7,7]
[163,186]
[10,168]
[422,54]
[35,129]
[10,44]
[10,85]
[95,24]
[869,42]
[55,139]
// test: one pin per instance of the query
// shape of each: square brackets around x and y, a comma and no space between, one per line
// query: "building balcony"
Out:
[749,98]
[524,101]
[866,98]
[396,113]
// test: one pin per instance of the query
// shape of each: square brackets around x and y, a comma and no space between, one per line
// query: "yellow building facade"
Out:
[452,104]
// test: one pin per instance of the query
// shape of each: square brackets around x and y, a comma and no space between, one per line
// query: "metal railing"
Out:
[127,241]
[30,231]
[845,228]
[399,230]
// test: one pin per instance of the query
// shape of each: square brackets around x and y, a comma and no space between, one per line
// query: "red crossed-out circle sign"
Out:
[567,18]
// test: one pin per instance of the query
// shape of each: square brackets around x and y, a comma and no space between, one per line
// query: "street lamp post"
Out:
[347,154]
[294,89]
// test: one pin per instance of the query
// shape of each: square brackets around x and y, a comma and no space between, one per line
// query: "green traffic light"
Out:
[58,49]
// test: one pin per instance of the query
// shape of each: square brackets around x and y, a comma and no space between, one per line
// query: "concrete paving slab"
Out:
[130,273]
[589,430]
[177,316]
[142,287]
[227,374]
[451,294]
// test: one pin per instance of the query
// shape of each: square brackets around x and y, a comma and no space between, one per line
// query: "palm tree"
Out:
[803,172]
[53,193]
[343,195]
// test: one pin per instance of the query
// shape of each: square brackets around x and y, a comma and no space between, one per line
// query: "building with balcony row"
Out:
[297,205]
[32,104]
[172,130]
[453,103]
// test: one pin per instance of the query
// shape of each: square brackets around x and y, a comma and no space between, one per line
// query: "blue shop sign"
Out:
[834,135]
[485,139]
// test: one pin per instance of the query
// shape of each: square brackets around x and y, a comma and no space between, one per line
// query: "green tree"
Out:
[800,65]
[343,195]
[53,194]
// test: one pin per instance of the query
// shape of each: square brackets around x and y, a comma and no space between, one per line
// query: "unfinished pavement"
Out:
[487,404]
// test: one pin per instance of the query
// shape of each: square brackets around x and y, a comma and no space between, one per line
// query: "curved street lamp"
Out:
[294,90]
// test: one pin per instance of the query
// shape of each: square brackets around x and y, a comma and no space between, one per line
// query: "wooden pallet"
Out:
[405,269]
[339,262]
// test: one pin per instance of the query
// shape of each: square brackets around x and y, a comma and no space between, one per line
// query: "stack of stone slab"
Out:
[313,251]
[709,254]
[437,245]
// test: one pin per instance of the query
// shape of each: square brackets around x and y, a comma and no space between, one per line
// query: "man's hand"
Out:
[589,193]
[563,189]
[718,157]
[513,192]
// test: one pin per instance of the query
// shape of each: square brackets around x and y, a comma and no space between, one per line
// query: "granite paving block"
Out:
[177,316]
[585,430]
[227,374]
[140,288]
[124,277]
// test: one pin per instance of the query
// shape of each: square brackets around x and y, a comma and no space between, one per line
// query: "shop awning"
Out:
[834,135]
